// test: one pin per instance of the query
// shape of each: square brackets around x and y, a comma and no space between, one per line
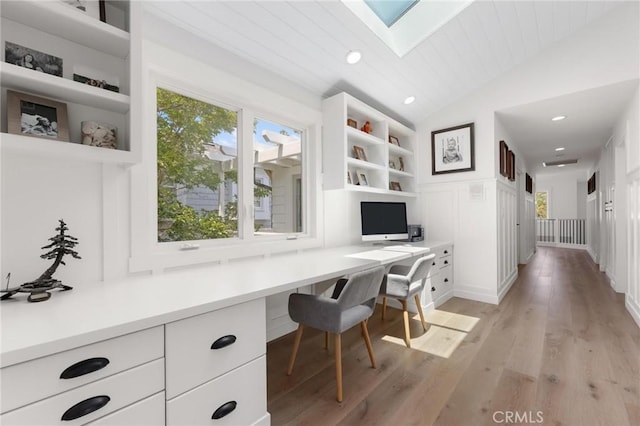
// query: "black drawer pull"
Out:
[433,289]
[224,409]
[224,341]
[446,262]
[446,252]
[446,280]
[84,367]
[434,263]
[85,407]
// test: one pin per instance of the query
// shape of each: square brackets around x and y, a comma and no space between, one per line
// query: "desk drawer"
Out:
[190,358]
[121,390]
[246,386]
[148,412]
[40,378]
[443,262]
[445,278]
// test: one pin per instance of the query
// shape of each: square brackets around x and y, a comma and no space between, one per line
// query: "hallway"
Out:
[560,349]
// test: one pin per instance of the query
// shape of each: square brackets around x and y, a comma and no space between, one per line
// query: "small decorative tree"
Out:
[61,244]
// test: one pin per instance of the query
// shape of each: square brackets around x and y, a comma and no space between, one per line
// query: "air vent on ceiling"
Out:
[557,163]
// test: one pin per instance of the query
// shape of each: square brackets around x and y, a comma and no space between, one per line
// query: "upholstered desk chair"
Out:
[353,302]
[403,282]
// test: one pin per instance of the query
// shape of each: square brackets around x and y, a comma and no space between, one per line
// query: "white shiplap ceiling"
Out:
[306,43]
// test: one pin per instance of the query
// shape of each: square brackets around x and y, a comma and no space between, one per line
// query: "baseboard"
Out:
[443,298]
[592,254]
[264,420]
[633,308]
[476,293]
[528,259]
[509,282]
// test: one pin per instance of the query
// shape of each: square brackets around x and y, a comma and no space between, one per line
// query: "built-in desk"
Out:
[165,324]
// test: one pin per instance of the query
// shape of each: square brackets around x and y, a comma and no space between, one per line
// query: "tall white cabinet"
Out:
[380,160]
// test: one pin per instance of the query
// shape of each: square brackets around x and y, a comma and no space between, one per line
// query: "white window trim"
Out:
[149,255]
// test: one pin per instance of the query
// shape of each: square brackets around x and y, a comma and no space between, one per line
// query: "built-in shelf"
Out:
[47,85]
[68,23]
[383,159]
[67,150]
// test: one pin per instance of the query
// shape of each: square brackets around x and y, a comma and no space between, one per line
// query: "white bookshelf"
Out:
[83,43]
[384,162]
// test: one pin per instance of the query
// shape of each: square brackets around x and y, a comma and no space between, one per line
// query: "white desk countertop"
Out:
[104,310]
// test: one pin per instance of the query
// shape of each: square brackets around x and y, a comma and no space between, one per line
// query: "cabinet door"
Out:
[237,398]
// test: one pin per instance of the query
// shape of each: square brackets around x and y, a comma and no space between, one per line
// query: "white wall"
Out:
[581,200]
[599,54]
[562,188]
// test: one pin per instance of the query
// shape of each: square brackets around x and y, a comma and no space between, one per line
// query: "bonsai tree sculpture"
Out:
[61,245]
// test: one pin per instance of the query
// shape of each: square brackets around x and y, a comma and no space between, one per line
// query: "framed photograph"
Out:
[392,164]
[32,59]
[452,150]
[102,84]
[93,8]
[393,140]
[352,123]
[359,153]
[38,117]
[395,186]
[401,161]
[352,177]
[363,178]
[512,166]
[528,183]
[504,150]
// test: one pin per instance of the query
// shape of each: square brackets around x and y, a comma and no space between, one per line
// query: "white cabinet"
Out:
[87,47]
[378,159]
[441,275]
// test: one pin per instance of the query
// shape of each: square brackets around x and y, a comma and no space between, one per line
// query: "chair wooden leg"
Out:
[296,345]
[419,306]
[367,341]
[384,306]
[326,340]
[405,317]
[338,350]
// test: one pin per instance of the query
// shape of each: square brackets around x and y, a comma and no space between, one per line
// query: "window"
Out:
[197,176]
[278,160]
[542,205]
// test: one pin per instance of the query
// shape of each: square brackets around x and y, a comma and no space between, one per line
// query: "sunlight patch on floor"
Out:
[437,341]
[451,320]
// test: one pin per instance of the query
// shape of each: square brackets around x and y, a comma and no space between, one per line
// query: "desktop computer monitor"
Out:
[383,221]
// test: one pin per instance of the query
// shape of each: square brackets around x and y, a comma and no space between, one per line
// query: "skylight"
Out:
[403,24]
[390,11]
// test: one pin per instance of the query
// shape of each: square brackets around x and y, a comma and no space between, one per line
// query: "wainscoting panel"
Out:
[593,226]
[632,300]
[507,237]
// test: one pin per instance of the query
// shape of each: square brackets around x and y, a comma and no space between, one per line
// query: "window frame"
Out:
[535,199]
[149,254]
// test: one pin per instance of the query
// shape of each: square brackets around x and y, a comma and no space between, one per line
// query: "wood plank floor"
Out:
[560,348]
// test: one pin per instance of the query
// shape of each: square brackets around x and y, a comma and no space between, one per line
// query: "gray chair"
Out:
[353,302]
[402,282]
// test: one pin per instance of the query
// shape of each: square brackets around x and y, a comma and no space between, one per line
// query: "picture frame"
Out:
[394,141]
[395,186]
[32,59]
[392,164]
[528,183]
[363,178]
[102,84]
[512,166]
[401,161]
[504,150]
[352,123]
[38,117]
[359,153]
[93,8]
[452,149]
[352,177]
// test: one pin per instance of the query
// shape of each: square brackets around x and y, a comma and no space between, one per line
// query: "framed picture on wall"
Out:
[512,167]
[452,150]
[504,150]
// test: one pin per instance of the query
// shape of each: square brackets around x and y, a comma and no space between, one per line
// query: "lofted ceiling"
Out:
[306,42]
[590,116]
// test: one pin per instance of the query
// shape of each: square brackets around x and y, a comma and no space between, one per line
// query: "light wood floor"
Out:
[560,343]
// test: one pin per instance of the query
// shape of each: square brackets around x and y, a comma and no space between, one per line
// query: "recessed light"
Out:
[560,149]
[409,100]
[561,165]
[559,117]
[353,57]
